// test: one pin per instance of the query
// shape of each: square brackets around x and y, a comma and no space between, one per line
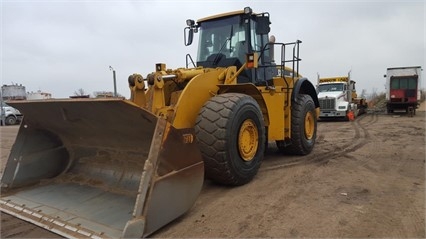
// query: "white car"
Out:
[10,115]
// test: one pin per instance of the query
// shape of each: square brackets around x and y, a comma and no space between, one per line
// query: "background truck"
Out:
[10,115]
[402,88]
[114,167]
[337,97]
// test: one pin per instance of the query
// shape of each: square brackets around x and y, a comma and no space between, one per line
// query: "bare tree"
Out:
[363,93]
[80,92]
[373,94]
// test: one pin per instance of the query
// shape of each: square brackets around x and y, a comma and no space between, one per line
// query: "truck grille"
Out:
[327,104]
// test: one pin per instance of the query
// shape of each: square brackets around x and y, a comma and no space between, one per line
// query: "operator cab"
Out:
[226,39]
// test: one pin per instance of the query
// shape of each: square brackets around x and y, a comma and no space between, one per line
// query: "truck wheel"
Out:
[10,120]
[303,127]
[231,135]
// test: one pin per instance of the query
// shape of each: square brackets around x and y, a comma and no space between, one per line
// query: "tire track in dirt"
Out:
[209,195]
[361,138]
[412,216]
[362,123]
[415,216]
[356,137]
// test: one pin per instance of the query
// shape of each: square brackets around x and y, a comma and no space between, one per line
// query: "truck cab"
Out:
[335,96]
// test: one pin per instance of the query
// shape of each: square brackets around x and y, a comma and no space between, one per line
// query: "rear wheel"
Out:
[231,134]
[303,127]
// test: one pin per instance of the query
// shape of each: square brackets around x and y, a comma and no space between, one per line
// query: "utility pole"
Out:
[2,113]
[113,76]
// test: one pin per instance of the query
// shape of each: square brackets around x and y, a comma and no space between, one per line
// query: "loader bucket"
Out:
[99,168]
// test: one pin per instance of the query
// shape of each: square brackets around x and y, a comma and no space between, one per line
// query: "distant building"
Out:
[103,94]
[39,95]
[13,92]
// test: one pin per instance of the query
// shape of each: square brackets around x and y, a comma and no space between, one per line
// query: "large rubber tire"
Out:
[303,127]
[231,135]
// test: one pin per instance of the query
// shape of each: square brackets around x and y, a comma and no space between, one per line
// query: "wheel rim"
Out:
[10,121]
[309,125]
[248,140]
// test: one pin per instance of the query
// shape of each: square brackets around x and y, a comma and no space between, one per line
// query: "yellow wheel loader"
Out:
[102,168]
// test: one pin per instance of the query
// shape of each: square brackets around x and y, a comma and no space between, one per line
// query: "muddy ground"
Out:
[365,178]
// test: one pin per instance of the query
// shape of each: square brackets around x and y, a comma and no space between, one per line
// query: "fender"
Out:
[248,89]
[304,86]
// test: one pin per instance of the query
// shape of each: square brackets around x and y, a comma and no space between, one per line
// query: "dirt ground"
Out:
[365,178]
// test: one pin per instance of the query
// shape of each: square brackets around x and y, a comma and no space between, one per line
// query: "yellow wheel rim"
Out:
[248,139]
[309,125]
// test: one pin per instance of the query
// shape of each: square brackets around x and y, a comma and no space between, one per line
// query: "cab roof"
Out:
[226,14]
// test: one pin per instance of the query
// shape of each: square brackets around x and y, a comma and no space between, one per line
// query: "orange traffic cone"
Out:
[351,116]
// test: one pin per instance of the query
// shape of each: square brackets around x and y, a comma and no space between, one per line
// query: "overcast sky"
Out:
[62,46]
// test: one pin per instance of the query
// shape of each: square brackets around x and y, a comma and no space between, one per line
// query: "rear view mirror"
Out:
[263,25]
[188,35]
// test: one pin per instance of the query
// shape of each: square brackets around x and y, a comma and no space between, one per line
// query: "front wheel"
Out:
[231,134]
[303,127]
[10,120]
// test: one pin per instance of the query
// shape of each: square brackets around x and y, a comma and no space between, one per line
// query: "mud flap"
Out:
[99,168]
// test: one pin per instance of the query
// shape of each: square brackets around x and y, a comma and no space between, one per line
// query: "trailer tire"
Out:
[231,135]
[303,127]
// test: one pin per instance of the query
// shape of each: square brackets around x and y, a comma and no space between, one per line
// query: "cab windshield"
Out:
[331,87]
[220,37]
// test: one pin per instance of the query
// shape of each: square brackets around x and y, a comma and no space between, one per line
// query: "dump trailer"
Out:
[402,89]
[116,167]
[337,97]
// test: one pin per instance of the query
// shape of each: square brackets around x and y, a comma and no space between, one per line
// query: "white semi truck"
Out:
[338,98]
[9,115]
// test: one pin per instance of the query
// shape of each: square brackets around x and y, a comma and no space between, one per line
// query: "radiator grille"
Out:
[327,104]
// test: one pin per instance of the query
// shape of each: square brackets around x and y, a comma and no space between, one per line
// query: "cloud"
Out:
[62,46]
